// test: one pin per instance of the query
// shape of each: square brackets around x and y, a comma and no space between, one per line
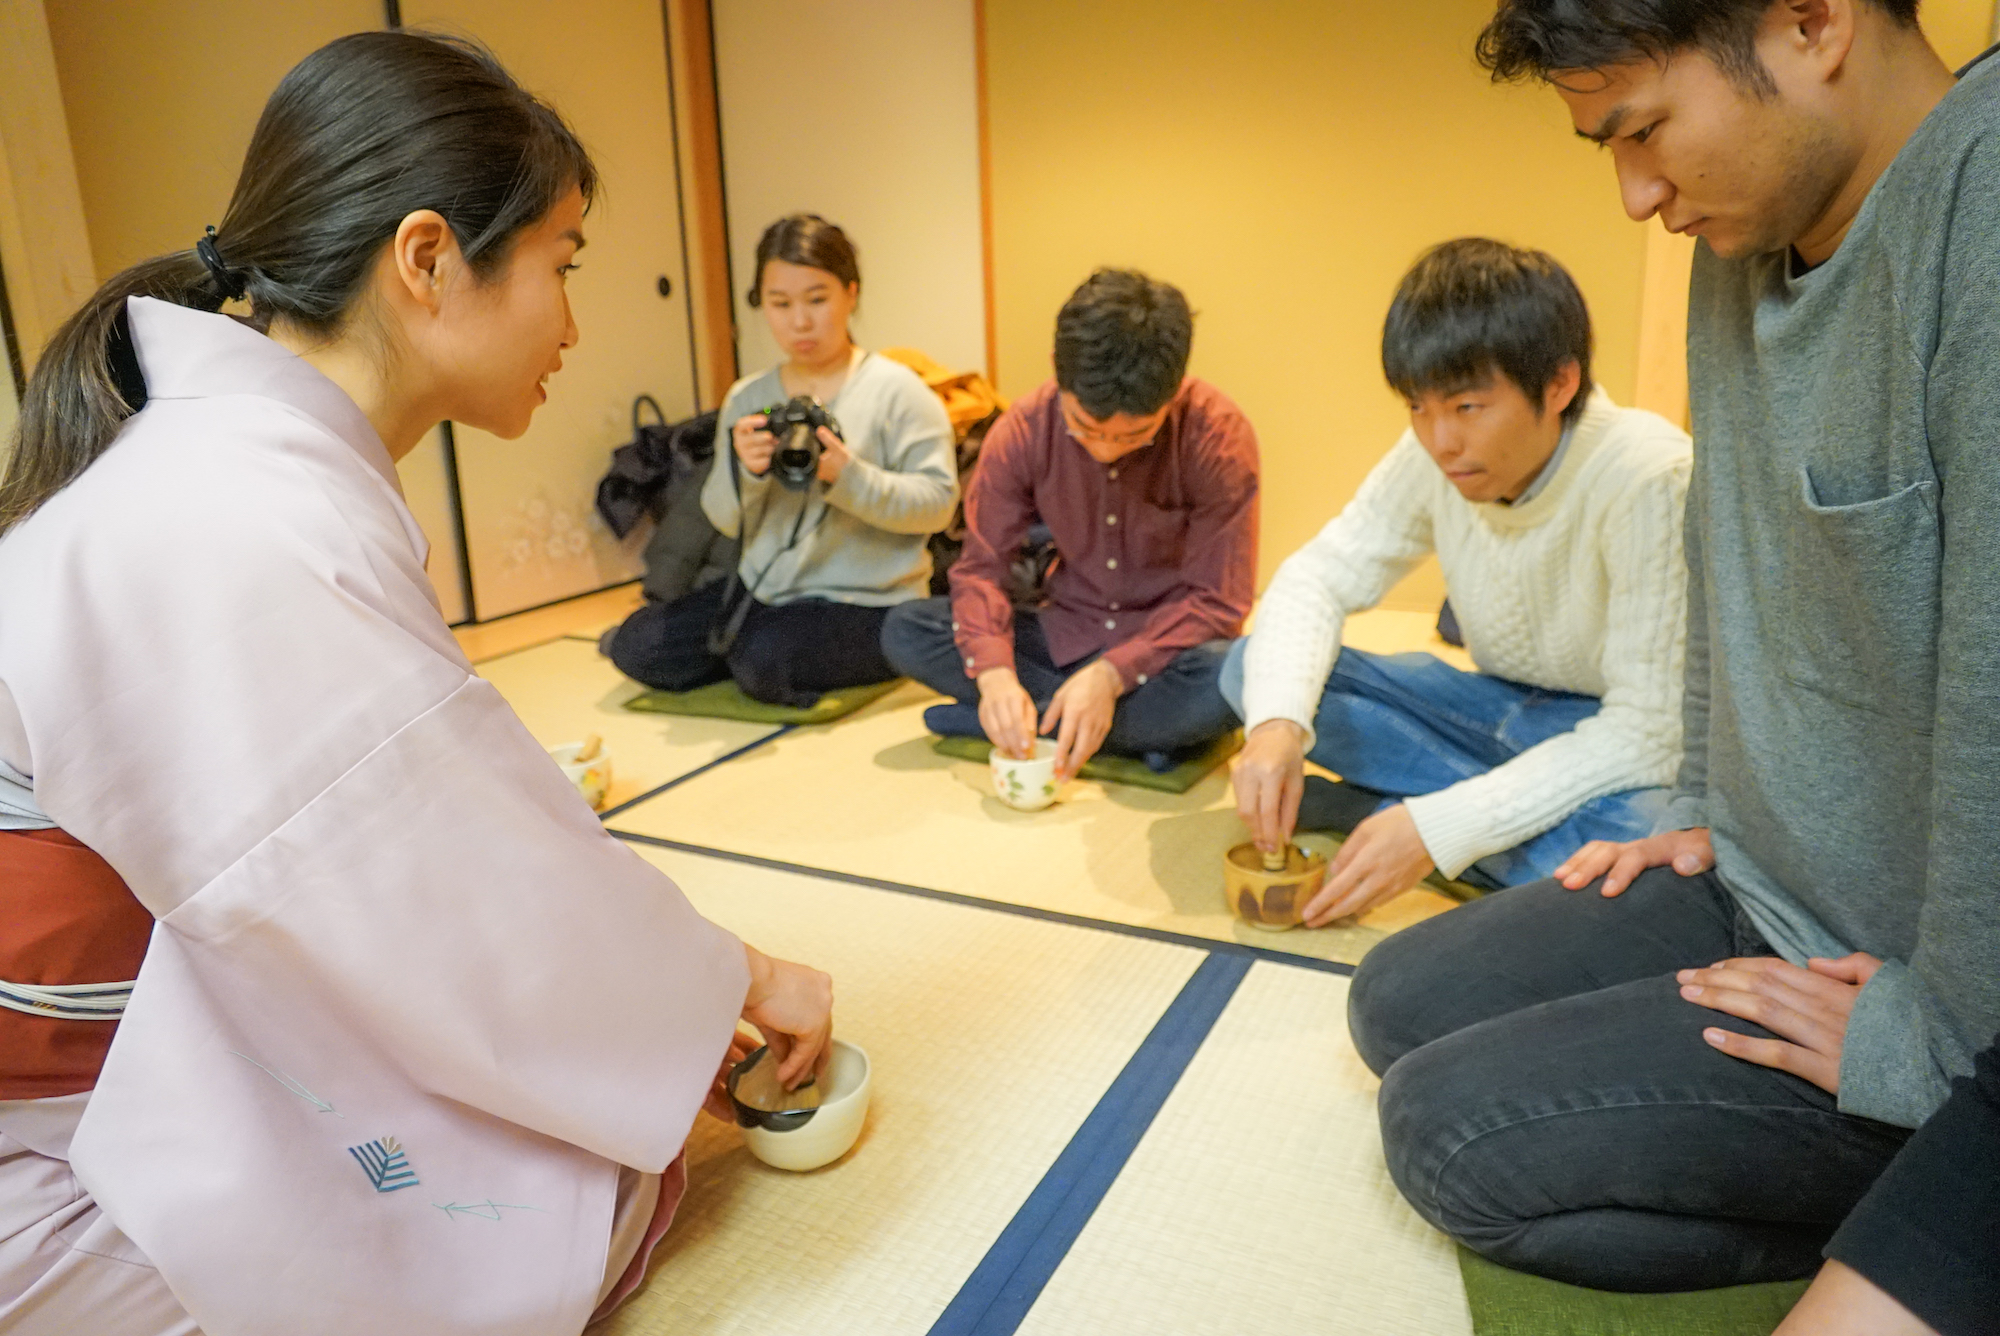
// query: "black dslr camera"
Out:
[796,425]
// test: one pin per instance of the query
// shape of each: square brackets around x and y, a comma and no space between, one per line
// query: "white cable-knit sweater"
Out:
[1581,588]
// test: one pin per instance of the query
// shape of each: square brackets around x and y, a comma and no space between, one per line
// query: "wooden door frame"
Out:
[697,130]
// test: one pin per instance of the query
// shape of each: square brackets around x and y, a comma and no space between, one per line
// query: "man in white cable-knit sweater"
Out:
[1556,516]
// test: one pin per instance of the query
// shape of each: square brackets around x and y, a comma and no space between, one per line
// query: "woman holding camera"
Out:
[833,520]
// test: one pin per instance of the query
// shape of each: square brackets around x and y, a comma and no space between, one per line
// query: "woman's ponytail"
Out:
[362,133]
[86,383]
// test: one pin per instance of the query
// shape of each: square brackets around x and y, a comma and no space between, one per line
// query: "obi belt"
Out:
[71,939]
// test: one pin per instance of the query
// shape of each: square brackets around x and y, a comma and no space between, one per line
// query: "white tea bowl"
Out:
[832,1129]
[592,778]
[1028,784]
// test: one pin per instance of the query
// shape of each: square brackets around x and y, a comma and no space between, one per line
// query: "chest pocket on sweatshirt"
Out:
[1862,622]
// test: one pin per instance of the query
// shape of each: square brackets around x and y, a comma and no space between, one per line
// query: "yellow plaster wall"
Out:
[1283,162]
[1959,29]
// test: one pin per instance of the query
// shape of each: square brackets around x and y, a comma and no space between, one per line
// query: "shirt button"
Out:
[954,623]
[1142,679]
[1111,565]
[1114,473]
[1110,624]
[1114,607]
[1111,519]
[968,663]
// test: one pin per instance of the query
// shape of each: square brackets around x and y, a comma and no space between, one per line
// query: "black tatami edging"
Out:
[703,769]
[1164,935]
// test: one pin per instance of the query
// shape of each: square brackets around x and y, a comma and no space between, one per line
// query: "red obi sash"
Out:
[65,918]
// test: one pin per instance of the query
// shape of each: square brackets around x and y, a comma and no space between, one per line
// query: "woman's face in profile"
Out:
[507,333]
[808,309]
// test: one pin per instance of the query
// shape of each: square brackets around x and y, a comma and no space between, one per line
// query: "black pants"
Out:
[788,654]
[1548,1100]
[1179,710]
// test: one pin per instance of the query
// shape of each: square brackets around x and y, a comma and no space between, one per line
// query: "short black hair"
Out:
[1472,308]
[809,240]
[1122,343]
[1541,39]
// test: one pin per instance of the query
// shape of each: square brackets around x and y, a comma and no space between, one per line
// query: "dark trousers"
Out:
[1177,711]
[1547,1098]
[787,654]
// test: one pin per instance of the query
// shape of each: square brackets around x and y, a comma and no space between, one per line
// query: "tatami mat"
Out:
[565,690]
[992,1037]
[587,615]
[1258,1200]
[868,797]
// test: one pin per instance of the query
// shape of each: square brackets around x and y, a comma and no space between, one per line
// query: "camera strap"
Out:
[736,598]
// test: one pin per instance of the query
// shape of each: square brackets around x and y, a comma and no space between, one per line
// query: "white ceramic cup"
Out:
[592,778]
[1029,785]
[832,1131]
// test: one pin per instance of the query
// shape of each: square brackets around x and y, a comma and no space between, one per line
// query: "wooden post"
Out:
[704,215]
[44,243]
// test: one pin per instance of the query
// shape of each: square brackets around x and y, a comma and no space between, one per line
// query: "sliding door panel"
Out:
[531,529]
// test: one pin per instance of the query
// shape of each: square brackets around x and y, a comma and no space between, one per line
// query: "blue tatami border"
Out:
[1010,1278]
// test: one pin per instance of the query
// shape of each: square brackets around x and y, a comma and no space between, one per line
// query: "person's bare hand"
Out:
[1806,1008]
[1079,715]
[1007,713]
[716,1104]
[834,456]
[754,445]
[1269,777]
[1687,852]
[792,1007]
[1384,857]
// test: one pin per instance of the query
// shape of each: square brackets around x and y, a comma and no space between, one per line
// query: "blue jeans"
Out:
[1405,724]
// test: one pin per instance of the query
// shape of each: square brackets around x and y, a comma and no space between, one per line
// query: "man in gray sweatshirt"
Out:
[1679,1063]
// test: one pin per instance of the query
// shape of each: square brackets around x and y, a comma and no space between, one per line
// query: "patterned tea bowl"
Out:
[1030,784]
[592,777]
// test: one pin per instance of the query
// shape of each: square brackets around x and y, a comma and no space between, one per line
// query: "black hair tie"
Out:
[228,283]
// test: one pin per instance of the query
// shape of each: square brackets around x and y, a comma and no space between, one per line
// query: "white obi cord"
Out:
[68,1001]
[18,810]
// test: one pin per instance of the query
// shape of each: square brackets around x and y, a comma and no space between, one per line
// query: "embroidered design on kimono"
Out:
[485,1210]
[385,1164]
[292,1086]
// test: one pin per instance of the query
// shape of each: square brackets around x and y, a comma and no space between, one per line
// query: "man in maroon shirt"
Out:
[1147,480]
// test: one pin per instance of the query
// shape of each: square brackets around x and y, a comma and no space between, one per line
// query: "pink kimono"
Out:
[407,1009]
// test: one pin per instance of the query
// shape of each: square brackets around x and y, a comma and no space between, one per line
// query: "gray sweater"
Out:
[1843,659]
[863,539]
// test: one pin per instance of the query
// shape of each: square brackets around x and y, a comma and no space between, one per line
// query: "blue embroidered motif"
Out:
[485,1210]
[292,1085]
[385,1164]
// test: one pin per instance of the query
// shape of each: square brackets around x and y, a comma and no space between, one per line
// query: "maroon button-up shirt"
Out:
[1157,552]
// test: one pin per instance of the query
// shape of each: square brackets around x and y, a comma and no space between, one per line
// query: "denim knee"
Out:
[1387,997]
[912,631]
[1231,681]
[1424,1106]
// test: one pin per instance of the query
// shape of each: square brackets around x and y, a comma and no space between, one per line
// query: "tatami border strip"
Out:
[702,769]
[997,1295]
[1169,937]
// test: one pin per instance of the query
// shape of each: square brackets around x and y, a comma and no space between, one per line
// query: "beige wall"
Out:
[43,246]
[1959,29]
[160,111]
[1284,163]
[865,111]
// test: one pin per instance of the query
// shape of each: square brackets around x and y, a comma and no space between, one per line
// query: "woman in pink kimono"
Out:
[414,1044]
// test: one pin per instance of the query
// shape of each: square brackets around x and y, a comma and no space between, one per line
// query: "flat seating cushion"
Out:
[1508,1303]
[725,700]
[1118,769]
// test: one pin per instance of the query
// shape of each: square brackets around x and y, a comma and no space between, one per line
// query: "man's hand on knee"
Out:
[1687,852]
[1806,1008]
[1269,776]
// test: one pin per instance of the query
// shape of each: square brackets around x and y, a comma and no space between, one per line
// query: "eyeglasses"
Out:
[1090,435]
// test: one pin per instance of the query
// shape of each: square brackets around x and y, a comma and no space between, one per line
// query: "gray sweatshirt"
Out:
[1843,658]
[861,540]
